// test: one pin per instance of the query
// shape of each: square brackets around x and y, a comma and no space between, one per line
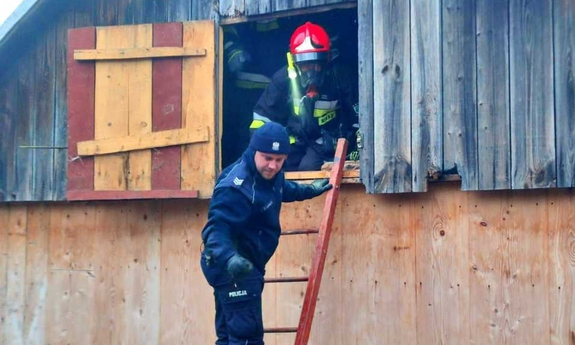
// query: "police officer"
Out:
[243,230]
[312,97]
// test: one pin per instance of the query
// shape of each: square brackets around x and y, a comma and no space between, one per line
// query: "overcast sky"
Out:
[6,8]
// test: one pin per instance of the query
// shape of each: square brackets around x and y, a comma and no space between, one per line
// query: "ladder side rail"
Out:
[318,263]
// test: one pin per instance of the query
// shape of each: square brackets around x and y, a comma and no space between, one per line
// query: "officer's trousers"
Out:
[238,306]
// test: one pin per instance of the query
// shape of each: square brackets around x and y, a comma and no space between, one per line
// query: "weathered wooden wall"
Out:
[33,101]
[482,88]
[33,90]
[444,267]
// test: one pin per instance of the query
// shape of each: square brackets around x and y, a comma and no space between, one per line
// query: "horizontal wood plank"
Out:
[136,53]
[312,175]
[142,142]
[131,195]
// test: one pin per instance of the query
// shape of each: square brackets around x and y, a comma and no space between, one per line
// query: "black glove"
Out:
[239,267]
[318,187]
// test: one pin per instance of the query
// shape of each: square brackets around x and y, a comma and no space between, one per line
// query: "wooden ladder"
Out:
[314,280]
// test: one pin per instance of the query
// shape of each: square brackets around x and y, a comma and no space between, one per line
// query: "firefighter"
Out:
[312,97]
[246,75]
[243,229]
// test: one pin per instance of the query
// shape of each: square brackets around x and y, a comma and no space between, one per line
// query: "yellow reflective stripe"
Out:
[326,118]
[296,109]
[291,139]
[234,53]
[256,124]
[324,111]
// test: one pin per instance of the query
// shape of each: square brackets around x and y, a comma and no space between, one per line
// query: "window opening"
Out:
[255,51]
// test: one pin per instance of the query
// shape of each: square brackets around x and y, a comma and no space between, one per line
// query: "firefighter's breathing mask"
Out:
[310,73]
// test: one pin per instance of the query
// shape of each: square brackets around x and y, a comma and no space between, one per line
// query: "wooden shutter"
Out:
[142,111]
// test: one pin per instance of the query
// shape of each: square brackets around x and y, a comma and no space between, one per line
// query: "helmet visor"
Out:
[311,73]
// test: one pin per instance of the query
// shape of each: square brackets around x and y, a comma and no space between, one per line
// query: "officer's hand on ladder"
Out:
[239,267]
[318,187]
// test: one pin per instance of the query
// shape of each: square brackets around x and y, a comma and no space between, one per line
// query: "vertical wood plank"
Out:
[36,274]
[329,308]
[564,63]
[110,295]
[366,96]
[13,329]
[394,286]
[282,5]
[179,11]
[167,106]
[442,287]
[494,145]
[426,92]
[8,116]
[71,308]
[359,278]
[201,9]
[4,228]
[44,91]
[258,7]
[60,156]
[232,8]
[81,90]
[123,107]
[490,260]
[24,131]
[73,237]
[532,129]
[199,96]
[111,109]
[527,280]
[83,13]
[392,108]
[561,206]
[187,314]
[72,262]
[140,110]
[459,91]
[142,274]
[106,13]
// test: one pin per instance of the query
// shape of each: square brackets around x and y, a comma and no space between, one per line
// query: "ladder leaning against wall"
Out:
[318,262]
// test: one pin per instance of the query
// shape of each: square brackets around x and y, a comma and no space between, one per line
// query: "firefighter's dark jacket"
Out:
[276,102]
[244,213]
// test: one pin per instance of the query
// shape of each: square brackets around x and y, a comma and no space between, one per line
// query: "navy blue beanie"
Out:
[271,138]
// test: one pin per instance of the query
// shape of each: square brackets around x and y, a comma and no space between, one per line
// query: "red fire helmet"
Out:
[310,42]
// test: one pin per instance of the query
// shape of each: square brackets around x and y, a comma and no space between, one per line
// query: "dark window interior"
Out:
[267,43]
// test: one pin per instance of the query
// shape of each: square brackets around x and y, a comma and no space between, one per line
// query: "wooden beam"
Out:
[312,175]
[80,195]
[142,142]
[136,53]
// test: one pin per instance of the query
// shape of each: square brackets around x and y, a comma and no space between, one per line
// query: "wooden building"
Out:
[457,230]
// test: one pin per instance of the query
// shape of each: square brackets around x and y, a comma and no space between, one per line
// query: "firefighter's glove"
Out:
[318,187]
[239,267]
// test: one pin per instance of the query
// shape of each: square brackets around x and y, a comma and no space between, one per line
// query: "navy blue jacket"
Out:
[244,213]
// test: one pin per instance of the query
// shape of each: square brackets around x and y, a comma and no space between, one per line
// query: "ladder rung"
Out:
[286,279]
[281,330]
[300,232]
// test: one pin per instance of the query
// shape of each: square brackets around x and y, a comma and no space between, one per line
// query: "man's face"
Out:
[269,164]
